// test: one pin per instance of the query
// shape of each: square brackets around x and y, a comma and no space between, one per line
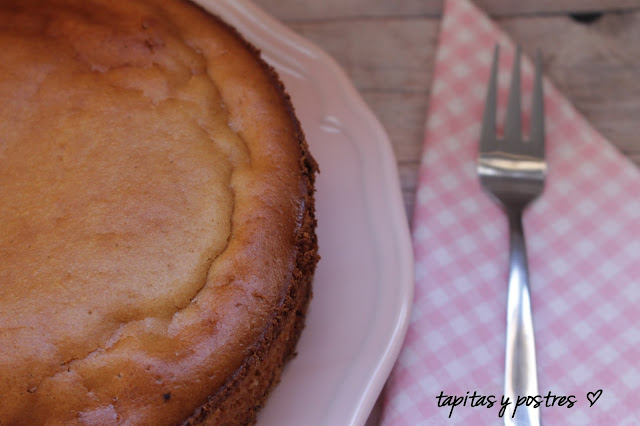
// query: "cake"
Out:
[157,229]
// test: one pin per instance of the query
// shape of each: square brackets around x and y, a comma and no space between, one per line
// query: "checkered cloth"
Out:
[583,239]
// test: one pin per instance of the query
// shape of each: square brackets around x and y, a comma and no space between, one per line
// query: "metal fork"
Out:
[512,170]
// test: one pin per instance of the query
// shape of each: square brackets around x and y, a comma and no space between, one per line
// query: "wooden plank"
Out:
[548,7]
[387,54]
[403,116]
[597,67]
[297,10]
[408,180]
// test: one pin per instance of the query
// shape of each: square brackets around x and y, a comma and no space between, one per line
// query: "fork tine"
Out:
[537,112]
[513,125]
[488,133]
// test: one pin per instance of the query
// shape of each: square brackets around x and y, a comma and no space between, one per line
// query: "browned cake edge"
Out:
[239,401]
[245,392]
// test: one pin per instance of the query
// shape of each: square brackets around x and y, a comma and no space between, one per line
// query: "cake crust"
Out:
[157,240]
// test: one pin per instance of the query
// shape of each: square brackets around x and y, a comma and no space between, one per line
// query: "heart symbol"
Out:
[593,396]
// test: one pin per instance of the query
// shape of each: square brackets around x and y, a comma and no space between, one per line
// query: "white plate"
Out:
[364,282]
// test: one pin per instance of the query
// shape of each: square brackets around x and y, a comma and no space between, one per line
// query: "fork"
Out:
[512,170]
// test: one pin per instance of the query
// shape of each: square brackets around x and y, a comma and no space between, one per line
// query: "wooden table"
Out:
[387,48]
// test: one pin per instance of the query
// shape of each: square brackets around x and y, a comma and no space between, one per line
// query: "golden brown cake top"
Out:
[151,184]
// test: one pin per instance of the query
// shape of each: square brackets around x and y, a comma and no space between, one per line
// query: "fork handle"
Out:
[520,369]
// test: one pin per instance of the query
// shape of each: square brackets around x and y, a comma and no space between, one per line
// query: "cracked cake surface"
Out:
[157,237]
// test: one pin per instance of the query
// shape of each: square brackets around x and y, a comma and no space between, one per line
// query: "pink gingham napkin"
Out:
[583,239]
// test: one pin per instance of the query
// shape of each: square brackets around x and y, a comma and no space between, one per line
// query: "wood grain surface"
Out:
[387,47]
